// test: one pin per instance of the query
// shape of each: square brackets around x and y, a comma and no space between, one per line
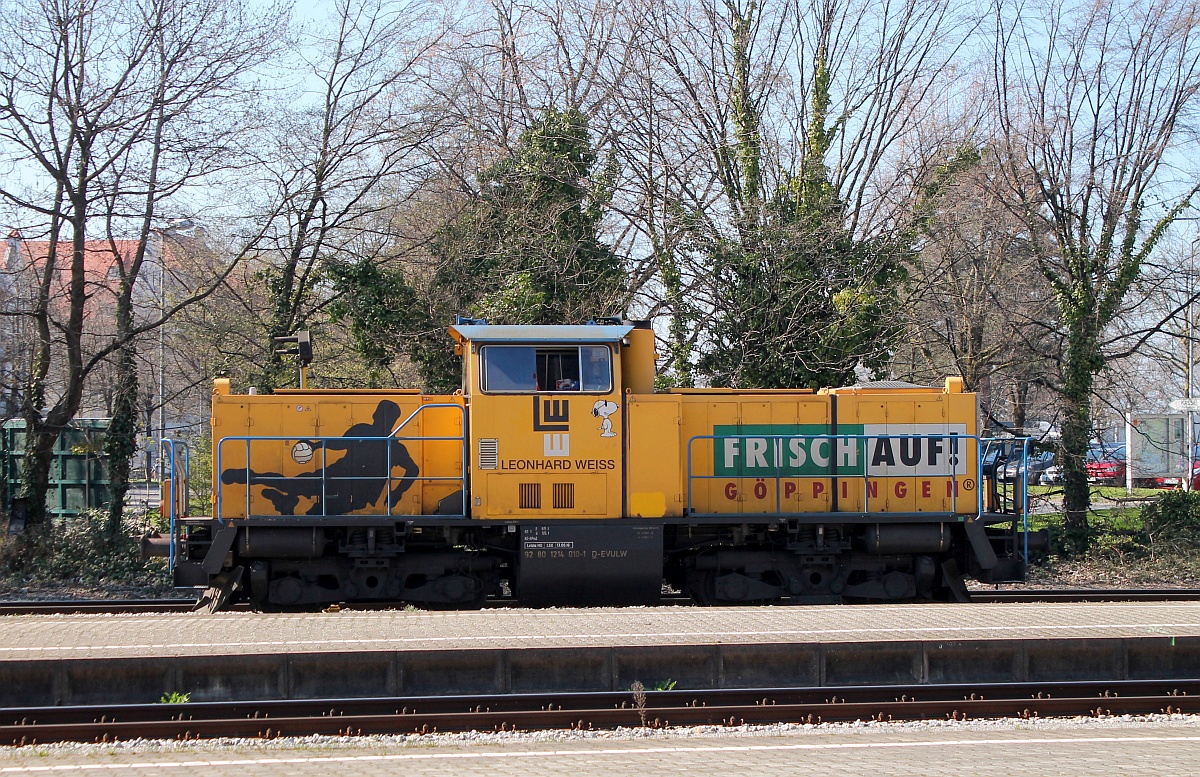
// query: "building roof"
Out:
[101,260]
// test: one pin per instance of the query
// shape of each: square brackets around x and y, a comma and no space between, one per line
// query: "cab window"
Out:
[519,368]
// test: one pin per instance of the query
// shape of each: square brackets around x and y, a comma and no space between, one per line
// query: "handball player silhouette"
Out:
[357,480]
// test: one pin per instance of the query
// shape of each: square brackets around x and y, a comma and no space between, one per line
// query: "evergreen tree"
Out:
[800,301]
[526,250]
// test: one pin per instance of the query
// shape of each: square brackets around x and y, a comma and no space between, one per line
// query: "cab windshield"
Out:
[519,368]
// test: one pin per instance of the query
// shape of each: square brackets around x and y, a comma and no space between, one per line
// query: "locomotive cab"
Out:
[546,423]
[549,437]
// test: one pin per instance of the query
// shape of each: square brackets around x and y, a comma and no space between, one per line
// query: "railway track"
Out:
[356,717]
[1088,595]
[134,606]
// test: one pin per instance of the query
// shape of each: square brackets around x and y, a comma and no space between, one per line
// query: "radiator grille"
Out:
[530,496]
[489,454]
[564,496]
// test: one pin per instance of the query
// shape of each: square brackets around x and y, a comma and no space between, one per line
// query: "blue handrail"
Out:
[1025,507]
[1026,444]
[865,475]
[173,485]
[324,479]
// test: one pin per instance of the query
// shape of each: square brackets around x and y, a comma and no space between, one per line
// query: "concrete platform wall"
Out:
[531,670]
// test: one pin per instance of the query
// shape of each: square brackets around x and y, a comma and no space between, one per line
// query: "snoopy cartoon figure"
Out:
[603,409]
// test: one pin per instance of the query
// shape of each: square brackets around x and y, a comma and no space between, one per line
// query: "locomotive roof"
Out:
[585,333]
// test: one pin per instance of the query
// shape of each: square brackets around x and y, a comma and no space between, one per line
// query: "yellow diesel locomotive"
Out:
[558,475]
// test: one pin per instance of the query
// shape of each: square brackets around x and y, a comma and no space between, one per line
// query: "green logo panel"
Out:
[786,450]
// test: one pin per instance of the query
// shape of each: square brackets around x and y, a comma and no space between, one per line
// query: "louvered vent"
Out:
[530,496]
[564,496]
[489,454]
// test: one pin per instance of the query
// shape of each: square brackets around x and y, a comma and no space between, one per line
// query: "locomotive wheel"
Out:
[702,588]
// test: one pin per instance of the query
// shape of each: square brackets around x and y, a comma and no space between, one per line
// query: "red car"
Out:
[1106,467]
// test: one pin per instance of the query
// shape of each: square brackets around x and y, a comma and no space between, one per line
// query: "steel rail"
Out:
[135,606]
[404,715]
[95,606]
[1088,595]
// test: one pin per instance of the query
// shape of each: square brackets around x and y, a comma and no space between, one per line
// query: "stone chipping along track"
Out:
[512,712]
[1078,595]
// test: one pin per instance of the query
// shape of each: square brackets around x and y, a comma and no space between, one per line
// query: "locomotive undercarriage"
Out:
[816,563]
[458,565]
[295,566]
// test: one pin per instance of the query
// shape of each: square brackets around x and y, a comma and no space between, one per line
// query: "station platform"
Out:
[1030,749]
[89,659]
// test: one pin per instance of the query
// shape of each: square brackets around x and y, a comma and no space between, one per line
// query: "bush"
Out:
[1112,535]
[1173,521]
[1119,546]
[80,550]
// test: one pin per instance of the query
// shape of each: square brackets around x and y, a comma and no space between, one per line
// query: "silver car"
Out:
[1036,464]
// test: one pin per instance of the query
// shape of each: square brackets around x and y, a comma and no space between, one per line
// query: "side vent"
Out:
[530,496]
[489,454]
[564,496]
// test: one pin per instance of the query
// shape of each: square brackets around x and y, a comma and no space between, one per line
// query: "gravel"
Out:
[479,738]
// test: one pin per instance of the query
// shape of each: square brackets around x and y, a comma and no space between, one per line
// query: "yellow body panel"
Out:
[592,450]
[750,453]
[313,470]
[655,445]
[638,362]
[546,454]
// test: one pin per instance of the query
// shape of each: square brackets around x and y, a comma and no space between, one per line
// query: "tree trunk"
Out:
[1079,372]
[121,440]
[35,469]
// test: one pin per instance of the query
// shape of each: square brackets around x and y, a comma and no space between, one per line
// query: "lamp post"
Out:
[162,349]
[1191,364]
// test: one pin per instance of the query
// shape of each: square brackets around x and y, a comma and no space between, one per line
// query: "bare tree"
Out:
[1091,102]
[339,165]
[890,66]
[104,114]
[978,307]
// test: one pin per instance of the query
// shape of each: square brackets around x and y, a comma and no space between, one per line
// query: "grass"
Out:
[1108,493]
[1104,520]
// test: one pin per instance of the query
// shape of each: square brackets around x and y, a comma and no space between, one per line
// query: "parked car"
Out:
[1106,465]
[1051,475]
[998,452]
[1036,463]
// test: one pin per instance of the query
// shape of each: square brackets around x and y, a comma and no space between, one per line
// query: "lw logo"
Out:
[553,415]
[556,444]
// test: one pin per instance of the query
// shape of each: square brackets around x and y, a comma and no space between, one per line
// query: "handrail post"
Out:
[173,479]
[1025,513]
[247,477]
[778,452]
